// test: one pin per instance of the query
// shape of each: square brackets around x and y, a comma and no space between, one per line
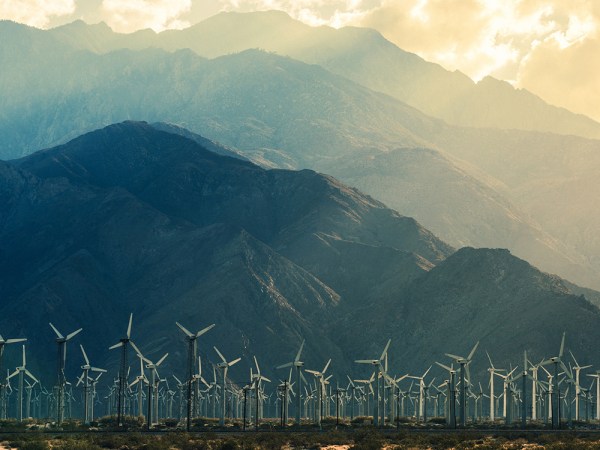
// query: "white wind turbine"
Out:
[62,357]
[152,406]
[4,342]
[464,365]
[597,377]
[299,378]
[224,366]
[422,389]
[451,396]
[124,369]
[257,379]
[379,369]
[577,370]
[192,339]
[556,360]
[21,371]
[140,380]
[493,371]
[86,385]
[320,381]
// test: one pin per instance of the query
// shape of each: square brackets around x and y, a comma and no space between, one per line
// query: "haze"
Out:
[549,47]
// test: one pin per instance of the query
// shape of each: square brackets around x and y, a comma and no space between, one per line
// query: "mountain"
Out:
[484,295]
[283,113]
[362,55]
[131,218]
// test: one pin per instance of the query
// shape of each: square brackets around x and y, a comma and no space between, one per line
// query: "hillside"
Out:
[131,218]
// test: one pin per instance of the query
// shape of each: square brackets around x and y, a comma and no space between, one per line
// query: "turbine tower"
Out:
[192,339]
[61,380]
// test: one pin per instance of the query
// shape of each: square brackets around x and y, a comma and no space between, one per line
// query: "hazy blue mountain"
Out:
[362,55]
[283,113]
[131,218]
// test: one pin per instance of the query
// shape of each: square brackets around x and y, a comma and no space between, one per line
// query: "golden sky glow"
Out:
[550,47]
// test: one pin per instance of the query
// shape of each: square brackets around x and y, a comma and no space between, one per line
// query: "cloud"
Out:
[36,13]
[567,76]
[335,13]
[131,15]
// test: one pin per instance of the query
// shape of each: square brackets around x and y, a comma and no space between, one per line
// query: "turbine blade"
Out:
[455,357]
[490,359]
[297,358]
[97,369]
[60,336]
[473,351]
[129,325]
[117,345]
[573,356]
[73,334]
[87,361]
[184,329]
[326,366]
[562,345]
[220,354]
[385,349]
[235,361]
[161,360]
[283,366]
[426,372]
[30,375]
[14,341]
[204,330]
[444,366]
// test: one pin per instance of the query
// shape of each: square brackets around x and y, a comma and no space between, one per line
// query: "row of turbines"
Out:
[549,392]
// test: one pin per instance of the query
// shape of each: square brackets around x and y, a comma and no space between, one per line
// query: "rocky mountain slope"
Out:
[131,218]
[362,55]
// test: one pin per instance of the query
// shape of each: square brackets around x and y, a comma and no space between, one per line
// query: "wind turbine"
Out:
[556,360]
[464,365]
[86,385]
[192,339]
[422,389]
[320,385]
[299,377]
[123,371]
[258,378]
[62,356]
[597,377]
[224,366]
[4,342]
[20,371]
[451,396]
[152,389]
[493,371]
[577,370]
[377,363]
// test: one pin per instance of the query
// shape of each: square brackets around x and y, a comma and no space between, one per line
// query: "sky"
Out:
[550,47]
